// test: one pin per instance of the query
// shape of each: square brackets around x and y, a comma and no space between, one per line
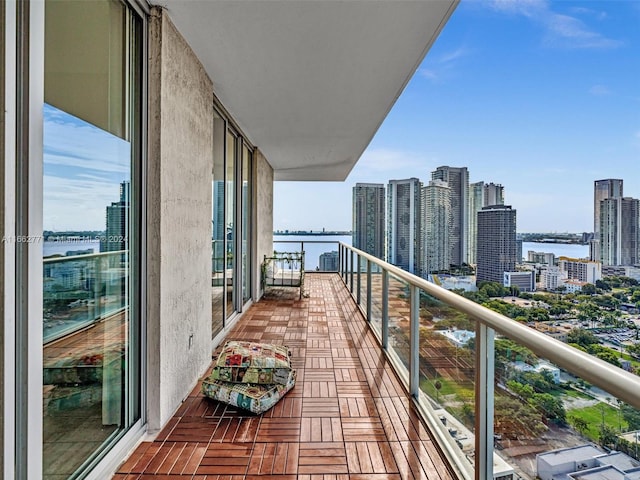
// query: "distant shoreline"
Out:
[324,233]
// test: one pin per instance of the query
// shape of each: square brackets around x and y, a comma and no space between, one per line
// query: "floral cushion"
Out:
[255,398]
[256,363]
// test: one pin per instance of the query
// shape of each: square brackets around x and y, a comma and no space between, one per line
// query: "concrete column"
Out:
[262,216]
[179,203]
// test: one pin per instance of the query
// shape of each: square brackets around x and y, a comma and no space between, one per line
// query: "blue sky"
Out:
[83,168]
[542,97]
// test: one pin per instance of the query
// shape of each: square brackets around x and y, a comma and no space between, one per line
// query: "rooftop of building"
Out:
[570,454]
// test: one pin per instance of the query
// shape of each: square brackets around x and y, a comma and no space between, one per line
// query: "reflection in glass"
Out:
[399,322]
[218,225]
[246,216]
[91,133]
[87,296]
[447,369]
[230,205]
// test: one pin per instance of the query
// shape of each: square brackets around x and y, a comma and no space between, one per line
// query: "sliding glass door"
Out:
[231,223]
[91,216]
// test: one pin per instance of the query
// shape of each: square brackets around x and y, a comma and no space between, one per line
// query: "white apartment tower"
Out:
[458,180]
[602,190]
[369,218]
[497,252]
[493,194]
[476,202]
[403,223]
[436,212]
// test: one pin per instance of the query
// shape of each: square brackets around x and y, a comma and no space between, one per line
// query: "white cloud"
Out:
[76,204]
[442,66]
[83,169]
[560,30]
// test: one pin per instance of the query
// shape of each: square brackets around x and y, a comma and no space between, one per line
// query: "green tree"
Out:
[582,337]
[588,312]
[520,389]
[579,423]
[607,436]
[550,406]
[631,416]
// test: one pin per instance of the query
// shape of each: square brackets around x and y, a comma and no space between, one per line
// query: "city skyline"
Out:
[541,97]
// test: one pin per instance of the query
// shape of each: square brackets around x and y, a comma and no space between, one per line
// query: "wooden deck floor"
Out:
[348,416]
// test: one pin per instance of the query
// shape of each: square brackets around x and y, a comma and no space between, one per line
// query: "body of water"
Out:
[62,247]
[313,246]
[558,249]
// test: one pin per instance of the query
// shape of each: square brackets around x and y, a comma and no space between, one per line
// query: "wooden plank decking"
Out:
[348,416]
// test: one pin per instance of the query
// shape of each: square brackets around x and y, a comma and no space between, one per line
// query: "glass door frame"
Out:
[241,142]
[21,173]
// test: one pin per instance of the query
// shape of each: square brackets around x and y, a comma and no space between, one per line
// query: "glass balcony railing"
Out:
[497,393]
[79,290]
[319,255]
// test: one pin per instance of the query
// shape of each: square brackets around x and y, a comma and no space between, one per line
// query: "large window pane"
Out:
[218,234]
[246,222]
[91,187]
[230,208]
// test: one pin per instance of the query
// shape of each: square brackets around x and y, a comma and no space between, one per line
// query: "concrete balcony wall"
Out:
[263,215]
[179,208]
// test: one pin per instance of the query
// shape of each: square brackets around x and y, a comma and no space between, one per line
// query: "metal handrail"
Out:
[77,258]
[610,378]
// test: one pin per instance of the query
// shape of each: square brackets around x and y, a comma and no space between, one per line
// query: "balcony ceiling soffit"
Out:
[309,81]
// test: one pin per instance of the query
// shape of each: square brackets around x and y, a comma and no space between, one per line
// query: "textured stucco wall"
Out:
[179,220]
[263,214]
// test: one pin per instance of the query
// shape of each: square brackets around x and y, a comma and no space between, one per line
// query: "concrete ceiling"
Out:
[309,81]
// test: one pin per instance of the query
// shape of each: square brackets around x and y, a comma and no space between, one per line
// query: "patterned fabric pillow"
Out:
[248,362]
[255,398]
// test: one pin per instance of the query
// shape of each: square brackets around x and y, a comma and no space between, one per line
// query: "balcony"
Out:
[381,393]
[348,414]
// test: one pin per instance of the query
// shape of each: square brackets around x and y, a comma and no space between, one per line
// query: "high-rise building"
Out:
[480,195]
[369,218]
[403,223]
[496,243]
[117,222]
[458,180]
[619,231]
[493,194]
[602,190]
[328,262]
[476,202]
[436,213]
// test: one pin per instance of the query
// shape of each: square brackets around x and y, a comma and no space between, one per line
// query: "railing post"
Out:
[385,309]
[358,281]
[97,288]
[414,343]
[369,296]
[351,254]
[339,259]
[484,401]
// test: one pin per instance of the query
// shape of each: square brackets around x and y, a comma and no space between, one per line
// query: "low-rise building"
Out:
[580,269]
[458,337]
[550,278]
[542,258]
[540,367]
[573,286]
[525,281]
[586,462]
